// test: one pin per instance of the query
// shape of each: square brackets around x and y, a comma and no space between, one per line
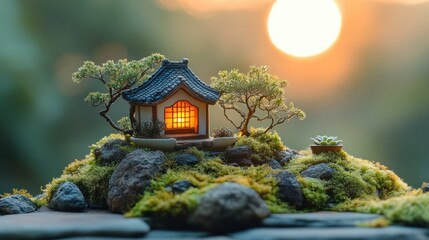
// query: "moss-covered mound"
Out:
[355,184]
[353,178]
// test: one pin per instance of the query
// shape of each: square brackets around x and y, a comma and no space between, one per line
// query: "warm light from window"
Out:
[182,115]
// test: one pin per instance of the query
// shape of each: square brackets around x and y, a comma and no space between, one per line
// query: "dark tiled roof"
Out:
[169,77]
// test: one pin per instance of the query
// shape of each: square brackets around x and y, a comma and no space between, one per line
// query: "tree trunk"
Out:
[109,120]
[245,129]
[133,121]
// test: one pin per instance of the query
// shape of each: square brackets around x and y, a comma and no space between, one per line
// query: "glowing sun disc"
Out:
[304,28]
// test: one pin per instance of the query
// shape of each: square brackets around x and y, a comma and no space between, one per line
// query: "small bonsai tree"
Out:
[116,77]
[254,95]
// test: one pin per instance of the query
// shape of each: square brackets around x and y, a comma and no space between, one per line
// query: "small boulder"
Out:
[131,177]
[320,171]
[228,207]
[16,204]
[239,156]
[289,189]
[285,156]
[186,159]
[274,164]
[68,198]
[425,188]
[111,152]
[181,186]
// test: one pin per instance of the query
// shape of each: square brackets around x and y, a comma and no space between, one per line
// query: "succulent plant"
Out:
[325,140]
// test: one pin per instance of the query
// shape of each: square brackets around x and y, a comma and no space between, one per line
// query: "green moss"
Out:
[163,205]
[196,152]
[23,192]
[263,145]
[409,209]
[204,175]
[105,139]
[352,178]
[314,191]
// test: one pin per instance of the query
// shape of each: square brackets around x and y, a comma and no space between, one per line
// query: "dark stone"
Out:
[239,156]
[186,159]
[285,156]
[48,224]
[181,186]
[228,207]
[320,171]
[111,152]
[319,219]
[274,164]
[16,204]
[68,197]
[289,189]
[425,188]
[132,177]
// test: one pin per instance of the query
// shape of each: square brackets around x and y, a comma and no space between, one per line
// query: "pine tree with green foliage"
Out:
[256,95]
[116,77]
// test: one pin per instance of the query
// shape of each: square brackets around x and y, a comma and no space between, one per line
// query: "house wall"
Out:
[143,114]
[182,95]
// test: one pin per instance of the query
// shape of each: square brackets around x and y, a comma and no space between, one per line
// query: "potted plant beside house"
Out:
[151,135]
[324,144]
[222,138]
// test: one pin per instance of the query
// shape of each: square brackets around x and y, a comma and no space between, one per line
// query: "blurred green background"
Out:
[370,88]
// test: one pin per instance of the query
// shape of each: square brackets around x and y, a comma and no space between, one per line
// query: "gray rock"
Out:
[319,219]
[274,164]
[342,233]
[111,152]
[181,186]
[289,189]
[239,156]
[48,224]
[68,197]
[285,156]
[131,177]
[229,206]
[320,171]
[16,204]
[186,159]
[425,188]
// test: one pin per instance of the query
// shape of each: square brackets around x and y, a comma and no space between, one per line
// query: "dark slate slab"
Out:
[343,233]
[170,234]
[47,224]
[318,219]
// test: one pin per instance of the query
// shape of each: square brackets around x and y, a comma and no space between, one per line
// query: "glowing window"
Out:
[182,115]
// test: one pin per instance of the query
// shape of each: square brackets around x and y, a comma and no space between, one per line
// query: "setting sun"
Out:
[304,28]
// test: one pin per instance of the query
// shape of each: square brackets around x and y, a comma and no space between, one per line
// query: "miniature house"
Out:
[175,96]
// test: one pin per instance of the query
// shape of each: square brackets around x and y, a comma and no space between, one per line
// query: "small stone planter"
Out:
[222,143]
[318,149]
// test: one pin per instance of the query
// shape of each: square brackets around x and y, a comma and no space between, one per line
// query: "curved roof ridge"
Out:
[165,82]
